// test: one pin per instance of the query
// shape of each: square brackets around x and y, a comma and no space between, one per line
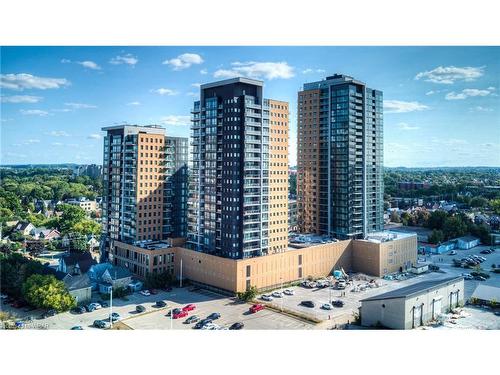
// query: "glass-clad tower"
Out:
[340,158]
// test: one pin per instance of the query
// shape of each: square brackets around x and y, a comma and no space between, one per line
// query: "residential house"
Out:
[105,276]
[76,263]
[46,234]
[25,228]
[78,286]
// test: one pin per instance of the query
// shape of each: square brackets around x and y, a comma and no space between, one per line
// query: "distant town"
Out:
[218,231]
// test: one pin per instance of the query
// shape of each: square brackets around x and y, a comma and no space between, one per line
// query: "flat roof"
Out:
[156,129]
[486,293]
[387,235]
[231,81]
[414,289]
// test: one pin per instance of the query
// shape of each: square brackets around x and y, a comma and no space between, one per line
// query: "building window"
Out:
[300,273]
[300,259]
[248,285]
[248,271]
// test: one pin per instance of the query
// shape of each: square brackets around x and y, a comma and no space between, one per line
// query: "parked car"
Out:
[145,292]
[180,314]
[310,304]
[453,252]
[140,308]
[174,311]
[467,276]
[160,304]
[115,317]
[237,325]
[153,291]
[90,307]
[189,307]
[210,326]
[338,303]
[3,296]
[101,324]
[49,313]
[213,316]
[103,304]
[267,297]
[96,305]
[341,284]
[327,306]
[78,310]
[256,308]
[201,323]
[277,294]
[479,278]
[192,319]
[76,328]
[289,292]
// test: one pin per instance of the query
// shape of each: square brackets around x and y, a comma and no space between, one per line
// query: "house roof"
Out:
[487,293]
[59,275]
[23,226]
[414,289]
[84,260]
[77,282]
[116,272]
[468,238]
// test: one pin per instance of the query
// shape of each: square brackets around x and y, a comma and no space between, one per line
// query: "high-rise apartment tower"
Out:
[340,158]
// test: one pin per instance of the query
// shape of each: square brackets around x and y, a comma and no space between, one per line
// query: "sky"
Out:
[441,104]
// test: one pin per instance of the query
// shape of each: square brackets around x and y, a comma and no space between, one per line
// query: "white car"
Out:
[267,297]
[277,294]
[3,296]
[327,306]
[210,327]
[289,292]
[145,293]
[96,305]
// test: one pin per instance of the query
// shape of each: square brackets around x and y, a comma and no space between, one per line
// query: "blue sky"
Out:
[441,104]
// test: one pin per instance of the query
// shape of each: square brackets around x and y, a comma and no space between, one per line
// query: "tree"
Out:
[495,205]
[87,227]
[395,217]
[45,291]
[15,269]
[454,227]
[436,237]
[78,244]
[436,219]
[405,218]
[71,215]
[478,202]
[159,280]
[248,295]
[482,231]
[34,248]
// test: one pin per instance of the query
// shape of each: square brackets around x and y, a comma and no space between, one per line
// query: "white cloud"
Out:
[57,144]
[94,136]
[464,94]
[479,108]
[164,91]
[58,133]
[196,84]
[173,120]
[203,71]
[134,103]
[89,65]
[184,61]
[252,69]
[80,105]
[399,106]
[34,112]
[193,94]
[128,59]
[405,126]
[430,92]
[61,110]
[21,99]
[451,74]
[65,61]
[27,81]
[31,141]
[309,71]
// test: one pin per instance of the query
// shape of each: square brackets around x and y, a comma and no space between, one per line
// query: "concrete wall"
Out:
[82,295]
[379,259]
[389,313]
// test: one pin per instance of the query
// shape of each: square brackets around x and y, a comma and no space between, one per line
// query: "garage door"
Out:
[454,299]
[417,316]
[436,307]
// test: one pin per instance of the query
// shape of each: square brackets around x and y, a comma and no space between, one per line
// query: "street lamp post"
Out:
[111,307]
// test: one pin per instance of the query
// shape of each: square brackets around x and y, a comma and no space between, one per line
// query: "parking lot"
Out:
[444,261]
[155,318]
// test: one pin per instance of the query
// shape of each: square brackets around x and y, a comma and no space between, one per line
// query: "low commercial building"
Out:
[86,204]
[467,242]
[414,305]
[420,268]
[485,294]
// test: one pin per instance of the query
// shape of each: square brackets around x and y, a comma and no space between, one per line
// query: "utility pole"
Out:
[171,318]
[111,306]
[180,283]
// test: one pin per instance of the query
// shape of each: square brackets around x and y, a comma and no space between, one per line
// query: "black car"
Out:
[202,323]
[49,313]
[140,308]
[160,304]
[100,324]
[78,310]
[308,304]
[115,317]
[338,303]
[237,325]
[103,304]
[76,328]
[213,316]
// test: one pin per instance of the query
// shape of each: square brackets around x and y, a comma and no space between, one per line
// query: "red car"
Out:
[180,314]
[189,307]
[256,308]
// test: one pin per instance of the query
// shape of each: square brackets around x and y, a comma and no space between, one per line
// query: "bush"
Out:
[248,295]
